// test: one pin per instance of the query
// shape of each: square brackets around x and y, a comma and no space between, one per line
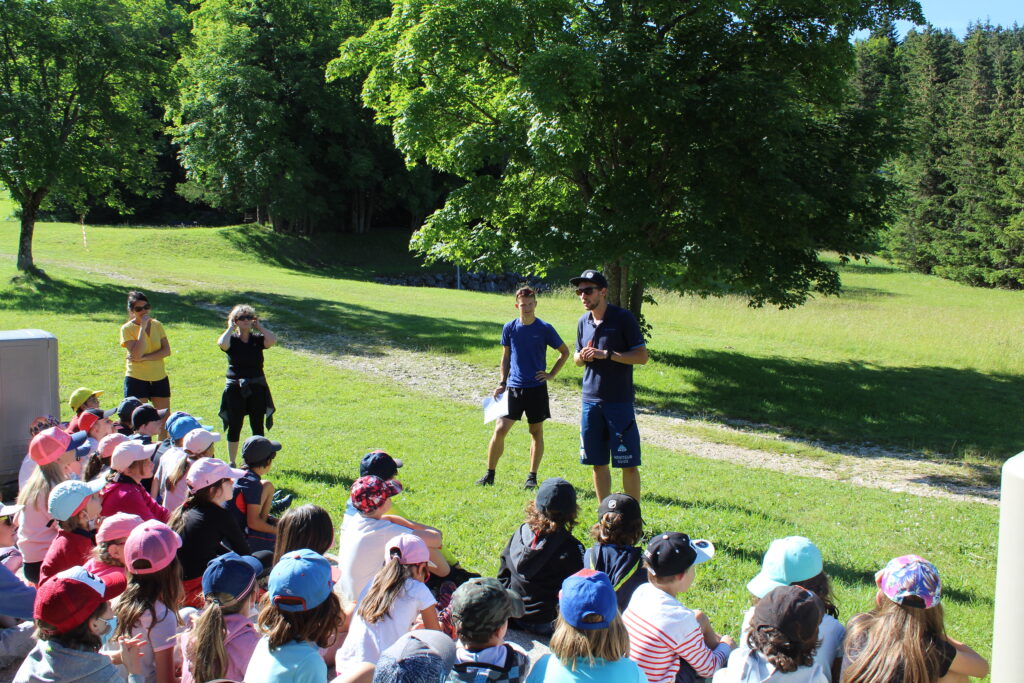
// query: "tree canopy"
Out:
[707,147]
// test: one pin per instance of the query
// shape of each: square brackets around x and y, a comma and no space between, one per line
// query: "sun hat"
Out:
[127,452]
[70,597]
[110,442]
[379,464]
[80,395]
[788,560]
[623,504]
[125,409]
[422,655]
[207,471]
[792,610]
[673,553]
[48,445]
[153,542]
[10,509]
[117,525]
[370,493]
[181,423]
[70,497]
[256,449]
[555,495]
[911,581]
[231,573]
[145,414]
[198,440]
[587,593]
[480,606]
[590,275]
[300,581]
[410,548]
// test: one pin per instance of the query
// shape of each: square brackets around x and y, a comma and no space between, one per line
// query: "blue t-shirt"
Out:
[247,491]
[549,670]
[295,662]
[607,380]
[528,344]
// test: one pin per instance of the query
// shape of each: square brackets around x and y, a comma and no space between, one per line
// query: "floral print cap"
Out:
[370,492]
[911,581]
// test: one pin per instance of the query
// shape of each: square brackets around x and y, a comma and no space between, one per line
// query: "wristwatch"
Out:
[610,352]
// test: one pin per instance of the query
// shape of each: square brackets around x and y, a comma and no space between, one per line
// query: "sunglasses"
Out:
[246,317]
[140,309]
[587,291]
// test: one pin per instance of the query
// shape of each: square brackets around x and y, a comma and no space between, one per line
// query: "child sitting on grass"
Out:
[252,495]
[108,555]
[618,530]
[480,611]
[172,461]
[782,641]
[904,637]
[98,463]
[130,465]
[667,640]
[541,554]
[590,642]
[76,507]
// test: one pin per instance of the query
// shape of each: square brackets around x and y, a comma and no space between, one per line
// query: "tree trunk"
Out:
[622,290]
[29,211]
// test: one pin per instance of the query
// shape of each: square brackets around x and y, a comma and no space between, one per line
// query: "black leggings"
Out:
[255,407]
[31,570]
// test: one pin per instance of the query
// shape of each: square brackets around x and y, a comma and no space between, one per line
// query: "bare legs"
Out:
[603,481]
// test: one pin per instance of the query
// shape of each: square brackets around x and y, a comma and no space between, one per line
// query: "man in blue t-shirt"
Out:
[524,344]
[608,343]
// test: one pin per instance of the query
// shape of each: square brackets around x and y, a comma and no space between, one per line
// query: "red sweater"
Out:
[127,495]
[69,549]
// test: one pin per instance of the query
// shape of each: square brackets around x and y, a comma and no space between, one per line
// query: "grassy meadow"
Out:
[901,359]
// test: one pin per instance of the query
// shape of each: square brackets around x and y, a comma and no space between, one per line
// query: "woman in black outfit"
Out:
[246,392]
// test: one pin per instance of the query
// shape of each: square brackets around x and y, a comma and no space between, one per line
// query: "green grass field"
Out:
[902,359]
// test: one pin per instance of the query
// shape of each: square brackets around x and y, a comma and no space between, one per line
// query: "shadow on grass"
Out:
[327,478]
[946,410]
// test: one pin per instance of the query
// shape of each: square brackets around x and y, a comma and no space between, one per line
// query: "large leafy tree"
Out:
[77,79]
[705,146]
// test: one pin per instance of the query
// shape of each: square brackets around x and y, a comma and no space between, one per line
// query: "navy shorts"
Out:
[140,388]
[608,433]
[530,400]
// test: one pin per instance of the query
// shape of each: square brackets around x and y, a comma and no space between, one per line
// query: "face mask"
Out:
[105,636]
[91,524]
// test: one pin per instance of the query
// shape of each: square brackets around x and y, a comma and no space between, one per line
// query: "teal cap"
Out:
[788,560]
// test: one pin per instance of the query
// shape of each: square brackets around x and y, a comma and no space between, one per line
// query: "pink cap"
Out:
[109,443]
[198,440]
[153,543]
[411,549]
[207,471]
[117,525]
[48,445]
[130,451]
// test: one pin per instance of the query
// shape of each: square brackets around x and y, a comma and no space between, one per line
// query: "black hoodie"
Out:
[624,566]
[535,566]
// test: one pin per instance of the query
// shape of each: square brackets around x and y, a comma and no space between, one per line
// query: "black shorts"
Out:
[530,400]
[140,388]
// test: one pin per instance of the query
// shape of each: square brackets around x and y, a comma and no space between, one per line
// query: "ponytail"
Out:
[194,498]
[180,471]
[386,586]
[206,655]
[93,466]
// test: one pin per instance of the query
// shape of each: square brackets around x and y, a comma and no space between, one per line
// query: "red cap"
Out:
[370,493]
[67,599]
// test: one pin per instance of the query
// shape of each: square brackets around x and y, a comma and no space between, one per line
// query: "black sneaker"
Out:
[531,481]
[486,480]
[281,504]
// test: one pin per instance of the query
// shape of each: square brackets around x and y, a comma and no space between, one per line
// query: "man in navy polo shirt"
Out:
[608,344]
[524,375]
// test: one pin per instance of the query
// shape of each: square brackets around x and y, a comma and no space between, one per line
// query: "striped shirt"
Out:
[662,632]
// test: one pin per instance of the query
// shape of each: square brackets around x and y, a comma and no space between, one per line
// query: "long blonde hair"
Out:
[37,489]
[894,638]
[610,644]
[386,586]
[206,655]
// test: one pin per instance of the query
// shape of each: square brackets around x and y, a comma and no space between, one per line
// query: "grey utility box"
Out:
[28,389]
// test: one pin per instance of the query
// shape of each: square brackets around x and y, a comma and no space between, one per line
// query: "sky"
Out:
[957,14]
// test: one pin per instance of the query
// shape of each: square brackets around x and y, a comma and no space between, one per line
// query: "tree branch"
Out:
[674,21]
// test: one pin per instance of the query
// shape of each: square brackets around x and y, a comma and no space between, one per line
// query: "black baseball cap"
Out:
[623,504]
[125,409]
[673,553]
[379,464]
[258,449]
[793,610]
[555,494]
[146,413]
[590,275]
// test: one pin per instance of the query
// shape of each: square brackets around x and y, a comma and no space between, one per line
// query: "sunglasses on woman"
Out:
[246,317]
[140,309]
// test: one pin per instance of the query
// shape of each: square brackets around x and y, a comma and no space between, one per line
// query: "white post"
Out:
[1007,626]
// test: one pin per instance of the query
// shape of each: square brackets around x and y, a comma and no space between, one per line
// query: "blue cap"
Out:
[80,444]
[379,464]
[300,581]
[179,424]
[587,593]
[231,573]
[789,560]
[68,497]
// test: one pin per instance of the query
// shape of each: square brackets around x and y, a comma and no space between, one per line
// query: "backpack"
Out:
[481,672]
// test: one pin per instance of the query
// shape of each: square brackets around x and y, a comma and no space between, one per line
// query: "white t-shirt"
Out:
[159,636]
[365,642]
[361,552]
[830,633]
[752,667]
[169,461]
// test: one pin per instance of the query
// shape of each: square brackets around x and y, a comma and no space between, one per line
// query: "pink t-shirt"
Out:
[34,537]
[239,643]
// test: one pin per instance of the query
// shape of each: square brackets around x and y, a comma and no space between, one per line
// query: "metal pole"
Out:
[458,278]
[1007,626]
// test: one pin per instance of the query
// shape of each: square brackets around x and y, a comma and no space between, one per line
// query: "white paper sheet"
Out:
[495,407]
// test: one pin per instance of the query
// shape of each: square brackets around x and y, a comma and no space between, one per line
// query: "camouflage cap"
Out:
[480,607]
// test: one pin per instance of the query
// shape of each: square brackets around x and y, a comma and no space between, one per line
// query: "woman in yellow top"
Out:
[146,342]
